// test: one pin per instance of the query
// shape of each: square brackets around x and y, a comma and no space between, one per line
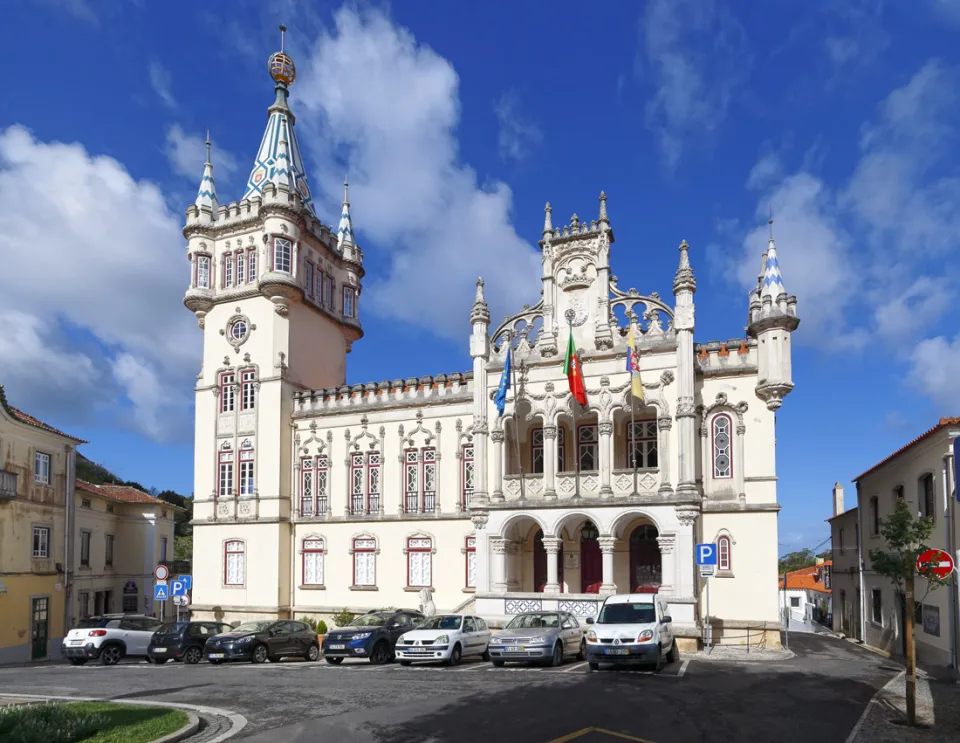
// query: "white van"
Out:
[632,628]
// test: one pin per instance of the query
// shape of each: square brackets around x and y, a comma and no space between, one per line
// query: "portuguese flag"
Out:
[571,367]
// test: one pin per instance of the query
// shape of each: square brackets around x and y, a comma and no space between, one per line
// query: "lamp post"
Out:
[950,467]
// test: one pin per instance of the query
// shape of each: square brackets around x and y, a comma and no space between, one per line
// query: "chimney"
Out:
[837,499]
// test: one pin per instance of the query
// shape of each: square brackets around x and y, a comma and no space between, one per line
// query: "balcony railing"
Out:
[8,484]
[566,484]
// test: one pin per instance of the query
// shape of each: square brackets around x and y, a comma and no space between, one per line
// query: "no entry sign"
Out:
[937,562]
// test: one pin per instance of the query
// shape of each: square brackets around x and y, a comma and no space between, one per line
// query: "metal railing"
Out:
[8,484]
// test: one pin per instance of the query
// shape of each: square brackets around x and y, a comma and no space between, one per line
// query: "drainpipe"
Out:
[68,519]
[863,616]
[949,486]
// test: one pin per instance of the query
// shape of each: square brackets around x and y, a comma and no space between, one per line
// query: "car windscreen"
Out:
[252,627]
[628,614]
[447,622]
[369,620]
[534,621]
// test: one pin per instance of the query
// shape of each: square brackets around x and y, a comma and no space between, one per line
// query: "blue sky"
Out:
[456,123]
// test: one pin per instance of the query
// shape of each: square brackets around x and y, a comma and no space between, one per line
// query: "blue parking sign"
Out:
[160,592]
[178,588]
[706,554]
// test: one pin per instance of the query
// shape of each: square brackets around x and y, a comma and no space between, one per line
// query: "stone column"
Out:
[498,549]
[684,286]
[687,517]
[551,546]
[550,461]
[497,437]
[738,453]
[607,545]
[668,564]
[606,459]
[664,425]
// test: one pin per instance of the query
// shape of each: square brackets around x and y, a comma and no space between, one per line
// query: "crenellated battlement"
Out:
[726,357]
[408,392]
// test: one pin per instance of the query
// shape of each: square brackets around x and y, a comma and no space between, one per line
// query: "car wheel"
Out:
[486,656]
[594,666]
[498,663]
[582,655]
[192,656]
[557,658]
[77,661]
[333,661]
[380,654]
[673,654]
[658,666]
[455,654]
[259,654]
[313,653]
[110,655]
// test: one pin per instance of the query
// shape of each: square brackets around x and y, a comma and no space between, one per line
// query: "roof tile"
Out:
[122,494]
[31,421]
[806,579]
[944,422]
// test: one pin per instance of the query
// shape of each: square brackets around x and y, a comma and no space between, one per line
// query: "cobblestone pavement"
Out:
[298,701]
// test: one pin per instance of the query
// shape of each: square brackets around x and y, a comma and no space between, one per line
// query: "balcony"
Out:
[584,484]
[8,485]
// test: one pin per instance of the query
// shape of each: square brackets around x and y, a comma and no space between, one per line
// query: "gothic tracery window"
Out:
[722,446]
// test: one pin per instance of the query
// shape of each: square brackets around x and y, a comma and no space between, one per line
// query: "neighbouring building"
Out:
[122,534]
[312,494]
[805,594]
[921,473]
[37,471]
[845,572]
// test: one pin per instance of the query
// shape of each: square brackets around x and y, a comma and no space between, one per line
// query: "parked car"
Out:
[632,628]
[372,635]
[263,640]
[446,638]
[108,638]
[538,636]
[183,641]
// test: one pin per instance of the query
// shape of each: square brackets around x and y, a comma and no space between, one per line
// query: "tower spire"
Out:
[345,230]
[547,220]
[772,282]
[207,193]
[684,279]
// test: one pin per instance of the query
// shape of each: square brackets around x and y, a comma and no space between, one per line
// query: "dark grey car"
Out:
[539,636]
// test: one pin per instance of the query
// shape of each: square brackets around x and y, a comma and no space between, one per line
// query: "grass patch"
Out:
[88,722]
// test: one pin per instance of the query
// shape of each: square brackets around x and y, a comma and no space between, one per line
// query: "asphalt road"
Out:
[819,695]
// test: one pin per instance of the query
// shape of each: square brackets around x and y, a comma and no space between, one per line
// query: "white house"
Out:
[313,494]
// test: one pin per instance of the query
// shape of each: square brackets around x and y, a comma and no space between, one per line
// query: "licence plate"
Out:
[514,649]
[76,642]
[215,655]
[618,651]
[159,650]
[338,647]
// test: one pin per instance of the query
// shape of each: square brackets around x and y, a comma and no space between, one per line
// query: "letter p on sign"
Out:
[706,554]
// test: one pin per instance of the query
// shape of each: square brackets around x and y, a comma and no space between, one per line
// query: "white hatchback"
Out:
[444,638]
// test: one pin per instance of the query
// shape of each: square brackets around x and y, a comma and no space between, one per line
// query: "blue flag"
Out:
[500,399]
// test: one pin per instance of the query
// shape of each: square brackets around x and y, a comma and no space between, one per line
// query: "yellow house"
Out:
[37,473]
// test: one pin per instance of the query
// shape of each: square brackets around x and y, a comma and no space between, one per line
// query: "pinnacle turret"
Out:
[603,208]
[684,279]
[345,237]
[480,312]
[207,194]
[771,283]
[547,220]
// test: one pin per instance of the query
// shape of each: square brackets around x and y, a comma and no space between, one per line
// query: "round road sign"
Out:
[940,563]
[161,572]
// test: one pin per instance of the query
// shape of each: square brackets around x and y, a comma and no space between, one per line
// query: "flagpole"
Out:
[516,422]
[569,315]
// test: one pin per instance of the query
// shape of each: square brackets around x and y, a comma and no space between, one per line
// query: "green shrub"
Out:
[47,723]
[311,622]
[321,627]
[343,618]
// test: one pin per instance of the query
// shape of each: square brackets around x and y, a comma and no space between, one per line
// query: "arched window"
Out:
[724,553]
[419,562]
[722,446]
[364,561]
[234,564]
[313,550]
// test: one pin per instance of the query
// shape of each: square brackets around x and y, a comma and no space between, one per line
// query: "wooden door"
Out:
[40,627]
[591,561]
[646,573]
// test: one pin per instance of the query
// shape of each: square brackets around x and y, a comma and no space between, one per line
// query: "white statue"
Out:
[426,602]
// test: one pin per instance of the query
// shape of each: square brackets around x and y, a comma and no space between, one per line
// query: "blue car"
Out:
[372,635]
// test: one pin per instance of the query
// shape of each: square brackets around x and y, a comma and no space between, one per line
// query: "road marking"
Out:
[579,665]
[683,668]
[866,710]
[587,731]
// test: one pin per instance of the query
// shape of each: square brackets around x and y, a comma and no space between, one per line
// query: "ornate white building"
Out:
[313,494]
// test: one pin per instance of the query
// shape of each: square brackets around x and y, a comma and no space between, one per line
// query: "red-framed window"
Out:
[225,474]
[349,302]
[470,550]
[228,270]
[248,389]
[364,561]
[308,278]
[313,553]
[251,265]
[466,475]
[203,271]
[234,563]
[282,255]
[642,444]
[411,481]
[227,392]
[724,553]
[428,457]
[365,478]
[374,461]
[722,446]
[246,471]
[307,481]
[419,562]
[241,267]
[587,443]
[356,484]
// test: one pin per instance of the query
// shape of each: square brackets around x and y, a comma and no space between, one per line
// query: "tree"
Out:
[906,538]
[797,561]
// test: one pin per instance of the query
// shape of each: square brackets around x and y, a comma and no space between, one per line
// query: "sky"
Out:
[455,123]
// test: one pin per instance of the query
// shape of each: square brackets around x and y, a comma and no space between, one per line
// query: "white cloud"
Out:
[517,135]
[765,172]
[160,81]
[933,371]
[93,272]
[695,55]
[371,101]
[900,311]
[188,152]
[853,35]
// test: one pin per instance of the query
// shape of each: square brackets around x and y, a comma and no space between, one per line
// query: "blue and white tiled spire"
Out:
[345,230]
[207,195]
[771,285]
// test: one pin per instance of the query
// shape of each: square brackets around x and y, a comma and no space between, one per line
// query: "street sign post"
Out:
[161,573]
[160,592]
[940,563]
[706,554]
[178,588]
[187,580]
[707,571]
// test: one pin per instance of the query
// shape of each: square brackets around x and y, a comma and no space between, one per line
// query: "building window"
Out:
[642,444]
[364,562]
[203,272]
[248,390]
[874,515]
[306,486]
[41,468]
[282,252]
[466,475]
[411,481]
[308,279]
[419,562]
[227,392]
[84,601]
[246,472]
[108,551]
[429,462]
[313,562]
[561,449]
[587,447]
[234,568]
[225,481]
[85,503]
[722,461]
[898,493]
[241,266]
[877,608]
[110,508]
[328,291]
[313,486]
[365,479]
[163,549]
[84,549]
[252,265]
[41,542]
[349,305]
[926,497]
[536,451]
[228,270]
[471,552]
[795,602]
[318,286]
[724,553]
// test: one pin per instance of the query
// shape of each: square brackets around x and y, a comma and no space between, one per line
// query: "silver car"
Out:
[548,636]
